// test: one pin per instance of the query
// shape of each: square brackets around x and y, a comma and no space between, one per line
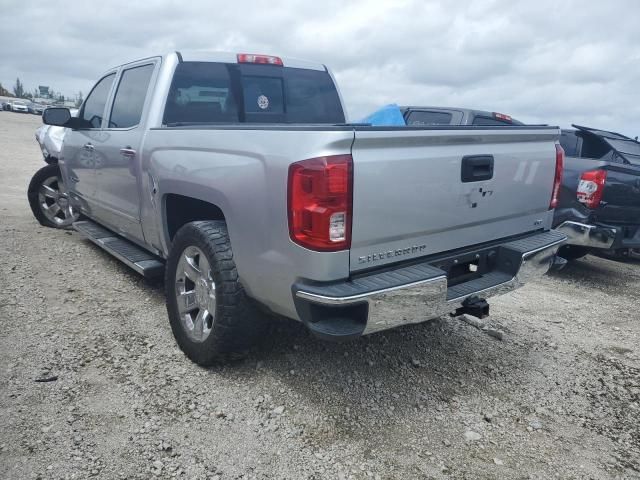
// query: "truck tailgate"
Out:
[621,197]
[419,192]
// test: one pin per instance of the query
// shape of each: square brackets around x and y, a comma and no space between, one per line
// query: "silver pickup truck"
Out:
[236,176]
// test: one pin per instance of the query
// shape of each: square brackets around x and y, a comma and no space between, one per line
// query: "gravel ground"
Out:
[557,397]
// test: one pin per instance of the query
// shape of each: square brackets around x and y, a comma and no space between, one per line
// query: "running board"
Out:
[143,262]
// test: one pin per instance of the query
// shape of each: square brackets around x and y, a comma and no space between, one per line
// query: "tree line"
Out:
[20,92]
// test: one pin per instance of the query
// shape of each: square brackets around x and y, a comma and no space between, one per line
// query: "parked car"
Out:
[37,109]
[19,106]
[237,178]
[50,140]
[599,207]
[5,106]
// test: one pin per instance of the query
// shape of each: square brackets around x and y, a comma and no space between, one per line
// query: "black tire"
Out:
[64,218]
[237,323]
[573,252]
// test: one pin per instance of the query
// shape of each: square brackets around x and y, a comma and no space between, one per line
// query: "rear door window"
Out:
[130,96]
[93,108]
[429,118]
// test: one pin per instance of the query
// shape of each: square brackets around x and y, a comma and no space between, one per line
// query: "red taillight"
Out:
[263,59]
[502,116]
[591,187]
[320,203]
[557,180]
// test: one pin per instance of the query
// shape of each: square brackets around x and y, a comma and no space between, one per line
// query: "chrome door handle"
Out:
[128,152]
[88,146]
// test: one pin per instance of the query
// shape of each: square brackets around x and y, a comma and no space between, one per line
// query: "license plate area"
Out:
[463,268]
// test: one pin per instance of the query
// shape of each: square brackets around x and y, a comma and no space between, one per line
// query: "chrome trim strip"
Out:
[314,297]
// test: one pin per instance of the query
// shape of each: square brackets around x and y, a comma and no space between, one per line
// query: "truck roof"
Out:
[231,57]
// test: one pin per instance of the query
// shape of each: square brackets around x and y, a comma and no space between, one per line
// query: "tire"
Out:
[573,252]
[48,198]
[201,262]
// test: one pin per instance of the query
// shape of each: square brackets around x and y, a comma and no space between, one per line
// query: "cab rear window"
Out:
[208,92]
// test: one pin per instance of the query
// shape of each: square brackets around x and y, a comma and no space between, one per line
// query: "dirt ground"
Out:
[557,397]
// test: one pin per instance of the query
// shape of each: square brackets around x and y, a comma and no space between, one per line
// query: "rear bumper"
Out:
[414,293]
[601,236]
[585,235]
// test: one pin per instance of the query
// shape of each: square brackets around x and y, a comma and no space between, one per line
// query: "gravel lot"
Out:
[558,397]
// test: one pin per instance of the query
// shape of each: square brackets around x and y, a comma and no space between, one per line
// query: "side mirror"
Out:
[57,116]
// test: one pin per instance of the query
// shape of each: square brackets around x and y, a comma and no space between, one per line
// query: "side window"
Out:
[93,108]
[201,93]
[429,118]
[130,96]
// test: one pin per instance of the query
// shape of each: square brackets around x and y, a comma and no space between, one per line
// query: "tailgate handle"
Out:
[476,168]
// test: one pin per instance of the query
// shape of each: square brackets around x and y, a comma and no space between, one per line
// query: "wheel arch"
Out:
[178,210]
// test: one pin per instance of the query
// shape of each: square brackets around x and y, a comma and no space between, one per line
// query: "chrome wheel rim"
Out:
[54,202]
[195,294]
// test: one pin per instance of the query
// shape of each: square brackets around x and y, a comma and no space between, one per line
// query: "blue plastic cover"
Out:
[387,116]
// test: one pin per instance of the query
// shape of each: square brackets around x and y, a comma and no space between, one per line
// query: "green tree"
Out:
[18,88]
[3,91]
[79,100]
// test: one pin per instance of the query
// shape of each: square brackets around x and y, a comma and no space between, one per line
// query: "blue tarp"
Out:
[389,115]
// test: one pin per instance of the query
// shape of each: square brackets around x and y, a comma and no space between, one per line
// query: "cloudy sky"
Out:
[558,62]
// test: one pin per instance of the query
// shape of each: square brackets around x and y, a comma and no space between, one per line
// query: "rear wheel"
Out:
[573,252]
[49,200]
[211,316]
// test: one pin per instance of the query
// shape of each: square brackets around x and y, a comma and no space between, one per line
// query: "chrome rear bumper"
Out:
[330,311]
[585,235]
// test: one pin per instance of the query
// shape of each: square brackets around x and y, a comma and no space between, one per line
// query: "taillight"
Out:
[502,116]
[591,187]
[320,202]
[263,59]
[557,180]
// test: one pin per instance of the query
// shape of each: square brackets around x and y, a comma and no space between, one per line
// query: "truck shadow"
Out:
[593,271]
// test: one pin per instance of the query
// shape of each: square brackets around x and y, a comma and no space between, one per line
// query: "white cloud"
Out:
[557,62]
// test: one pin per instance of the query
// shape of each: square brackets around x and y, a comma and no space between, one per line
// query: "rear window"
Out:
[208,92]
[429,118]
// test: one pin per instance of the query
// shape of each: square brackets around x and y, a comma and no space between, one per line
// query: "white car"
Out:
[19,106]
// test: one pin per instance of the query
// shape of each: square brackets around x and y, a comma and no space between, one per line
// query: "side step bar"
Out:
[143,262]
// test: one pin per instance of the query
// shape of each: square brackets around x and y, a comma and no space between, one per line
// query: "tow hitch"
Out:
[476,306]
[558,263]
